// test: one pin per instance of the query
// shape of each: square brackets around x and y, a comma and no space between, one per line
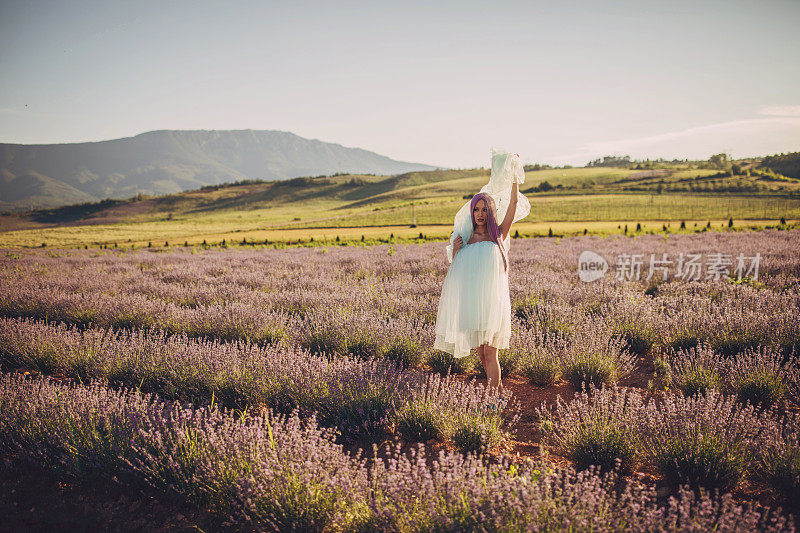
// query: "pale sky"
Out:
[432,82]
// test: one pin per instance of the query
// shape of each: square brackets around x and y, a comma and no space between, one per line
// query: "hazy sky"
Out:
[434,82]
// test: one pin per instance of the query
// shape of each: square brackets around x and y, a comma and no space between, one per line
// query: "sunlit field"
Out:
[601,201]
[298,388]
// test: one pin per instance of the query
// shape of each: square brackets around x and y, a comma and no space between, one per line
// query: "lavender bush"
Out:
[358,397]
[278,473]
[778,460]
[601,428]
[595,356]
[762,376]
[340,334]
[694,370]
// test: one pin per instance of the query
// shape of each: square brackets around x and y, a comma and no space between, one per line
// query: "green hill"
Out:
[306,206]
[166,162]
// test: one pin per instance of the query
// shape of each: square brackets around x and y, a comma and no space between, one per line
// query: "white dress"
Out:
[475,306]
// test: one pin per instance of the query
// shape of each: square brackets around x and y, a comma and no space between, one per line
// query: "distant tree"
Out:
[535,167]
[550,232]
[719,161]
[786,164]
[611,161]
[730,222]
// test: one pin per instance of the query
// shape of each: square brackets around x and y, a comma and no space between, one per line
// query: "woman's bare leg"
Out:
[492,366]
[482,354]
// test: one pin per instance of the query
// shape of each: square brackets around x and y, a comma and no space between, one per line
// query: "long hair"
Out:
[491,222]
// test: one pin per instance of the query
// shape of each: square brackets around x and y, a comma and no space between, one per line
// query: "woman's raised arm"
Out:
[505,226]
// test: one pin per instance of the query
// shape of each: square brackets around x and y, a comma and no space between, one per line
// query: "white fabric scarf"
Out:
[506,168]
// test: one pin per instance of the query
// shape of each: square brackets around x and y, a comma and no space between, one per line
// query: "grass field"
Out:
[138,237]
[596,199]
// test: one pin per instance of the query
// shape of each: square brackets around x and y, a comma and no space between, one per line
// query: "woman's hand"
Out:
[457,244]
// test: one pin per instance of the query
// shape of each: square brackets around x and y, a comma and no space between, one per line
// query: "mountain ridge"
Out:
[171,161]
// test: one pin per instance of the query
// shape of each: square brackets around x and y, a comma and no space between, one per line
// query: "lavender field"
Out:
[297,389]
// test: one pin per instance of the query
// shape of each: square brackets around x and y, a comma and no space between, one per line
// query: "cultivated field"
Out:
[297,389]
[599,200]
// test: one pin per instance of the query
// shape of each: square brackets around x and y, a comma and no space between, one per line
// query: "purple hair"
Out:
[491,222]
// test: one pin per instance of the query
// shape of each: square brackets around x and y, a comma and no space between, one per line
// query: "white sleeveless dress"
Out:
[475,306]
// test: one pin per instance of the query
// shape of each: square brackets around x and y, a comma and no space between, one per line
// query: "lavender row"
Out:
[261,295]
[763,376]
[709,441]
[593,351]
[360,398]
[278,473]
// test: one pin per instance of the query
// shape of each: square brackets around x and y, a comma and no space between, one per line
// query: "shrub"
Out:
[695,370]
[363,344]
[778,459]
[419,421]
[639,339]
[444,363]
[540,367]
[593,354]
[405,352]
[321,339]
[704,441]
[475,433]
[598,427]
[604,445]
[705,460]
[590,368]
[684,341]
[696,380]
[729,343]
[761,388]
[762,376]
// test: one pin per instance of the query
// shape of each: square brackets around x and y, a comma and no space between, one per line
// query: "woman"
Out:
[475,305]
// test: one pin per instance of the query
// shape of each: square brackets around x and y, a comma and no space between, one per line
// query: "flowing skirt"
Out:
[475,306]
